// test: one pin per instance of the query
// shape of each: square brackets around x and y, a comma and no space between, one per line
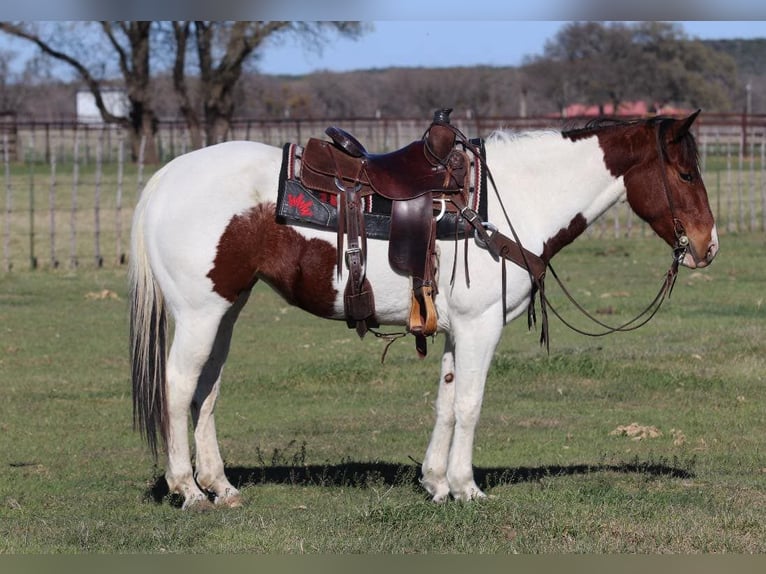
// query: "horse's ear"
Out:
[683,129]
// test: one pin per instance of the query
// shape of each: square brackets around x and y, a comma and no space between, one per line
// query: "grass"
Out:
[322,439]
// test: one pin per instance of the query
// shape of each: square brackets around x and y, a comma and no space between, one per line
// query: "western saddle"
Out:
[433,171]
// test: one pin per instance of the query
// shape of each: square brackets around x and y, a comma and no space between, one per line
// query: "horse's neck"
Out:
[550,186]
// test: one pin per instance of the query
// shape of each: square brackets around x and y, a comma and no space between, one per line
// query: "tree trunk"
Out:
[142,134]
[185,106]
[218,114]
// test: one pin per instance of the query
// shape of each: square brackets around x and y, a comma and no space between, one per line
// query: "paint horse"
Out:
[204,233]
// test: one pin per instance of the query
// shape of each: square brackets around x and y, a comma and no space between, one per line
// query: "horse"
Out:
[204,233]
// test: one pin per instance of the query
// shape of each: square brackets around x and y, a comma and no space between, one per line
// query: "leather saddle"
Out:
[431,169]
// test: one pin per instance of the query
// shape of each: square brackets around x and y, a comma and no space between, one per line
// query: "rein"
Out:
[665,290]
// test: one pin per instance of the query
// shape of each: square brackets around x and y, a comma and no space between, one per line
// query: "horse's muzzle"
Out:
[701,257]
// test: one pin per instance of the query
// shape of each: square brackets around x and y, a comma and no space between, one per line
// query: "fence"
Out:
[70,188]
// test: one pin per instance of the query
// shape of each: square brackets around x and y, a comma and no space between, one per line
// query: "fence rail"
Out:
[69,189]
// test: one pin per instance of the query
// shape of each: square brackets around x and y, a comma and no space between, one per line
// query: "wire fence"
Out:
[70,189]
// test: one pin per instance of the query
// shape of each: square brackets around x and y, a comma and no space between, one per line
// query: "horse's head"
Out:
[665,188]
[658,161]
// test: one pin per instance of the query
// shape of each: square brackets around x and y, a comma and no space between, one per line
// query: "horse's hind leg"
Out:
[194,365]
[210,471]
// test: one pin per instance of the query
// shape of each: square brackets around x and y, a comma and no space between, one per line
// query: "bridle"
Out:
[682,240]
[680,249]
[486,232]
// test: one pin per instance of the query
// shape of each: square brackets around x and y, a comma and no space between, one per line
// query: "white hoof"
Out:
[197,502]
[231,498]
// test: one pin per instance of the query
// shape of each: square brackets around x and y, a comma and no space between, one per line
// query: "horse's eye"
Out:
[687,177]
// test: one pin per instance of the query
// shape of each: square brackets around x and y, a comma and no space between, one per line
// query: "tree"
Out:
[677,69]
[9,98]
[129,43]
[222,50]
[651,61]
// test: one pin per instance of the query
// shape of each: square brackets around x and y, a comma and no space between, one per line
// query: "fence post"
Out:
[751,190]
[140,176]
[31,163]
[52,200]
[73,211]
[118,209]
[97,200]
[763,182]
[740,193]
[8,205]
[731,217]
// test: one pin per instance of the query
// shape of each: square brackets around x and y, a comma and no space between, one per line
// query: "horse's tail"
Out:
[148,337]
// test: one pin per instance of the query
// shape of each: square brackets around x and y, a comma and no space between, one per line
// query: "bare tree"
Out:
[128,44]
[9,97]
[222,51]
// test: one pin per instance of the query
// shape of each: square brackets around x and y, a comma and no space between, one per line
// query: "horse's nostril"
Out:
[711,252]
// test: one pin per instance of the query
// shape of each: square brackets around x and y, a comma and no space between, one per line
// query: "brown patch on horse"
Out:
[254,246]
[654,155]
[564,237]
[626,148]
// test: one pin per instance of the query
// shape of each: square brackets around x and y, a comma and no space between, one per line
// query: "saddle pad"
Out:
[297,205]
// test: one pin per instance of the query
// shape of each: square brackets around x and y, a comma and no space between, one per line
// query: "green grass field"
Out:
[322,439]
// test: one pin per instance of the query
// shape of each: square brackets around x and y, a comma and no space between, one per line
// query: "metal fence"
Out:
[69,189]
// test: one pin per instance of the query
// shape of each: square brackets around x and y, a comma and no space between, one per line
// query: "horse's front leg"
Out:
[475,342]
[434,467]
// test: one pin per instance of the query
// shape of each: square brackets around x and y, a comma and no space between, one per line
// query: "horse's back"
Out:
[227,172]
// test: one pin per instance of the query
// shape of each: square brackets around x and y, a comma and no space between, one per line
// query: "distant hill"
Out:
[750,55]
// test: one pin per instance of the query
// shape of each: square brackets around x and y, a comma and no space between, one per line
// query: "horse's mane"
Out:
[687,142]
[510,135]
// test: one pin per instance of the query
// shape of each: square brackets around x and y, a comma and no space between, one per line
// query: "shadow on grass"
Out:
[363,474]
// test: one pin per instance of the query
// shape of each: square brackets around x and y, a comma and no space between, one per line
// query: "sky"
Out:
[447,43]
[431,43]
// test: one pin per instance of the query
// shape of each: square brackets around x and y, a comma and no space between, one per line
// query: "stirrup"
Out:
[431,321]
[423,318]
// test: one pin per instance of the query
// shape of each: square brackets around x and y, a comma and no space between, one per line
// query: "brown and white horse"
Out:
[204,232]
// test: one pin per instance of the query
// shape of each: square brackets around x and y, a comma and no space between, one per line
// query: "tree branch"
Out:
[93,84]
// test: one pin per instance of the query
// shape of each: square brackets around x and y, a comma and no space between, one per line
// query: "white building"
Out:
[115,100]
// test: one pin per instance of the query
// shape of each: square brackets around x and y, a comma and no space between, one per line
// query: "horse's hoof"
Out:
[470,495]
[197,504]
[440,498]
[232,501]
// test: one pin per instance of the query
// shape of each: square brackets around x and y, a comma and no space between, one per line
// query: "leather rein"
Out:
[487,236]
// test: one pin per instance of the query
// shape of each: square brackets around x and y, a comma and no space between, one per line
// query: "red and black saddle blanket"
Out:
[299,205]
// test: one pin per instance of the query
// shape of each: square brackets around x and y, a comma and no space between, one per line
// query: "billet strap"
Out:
[508,249]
